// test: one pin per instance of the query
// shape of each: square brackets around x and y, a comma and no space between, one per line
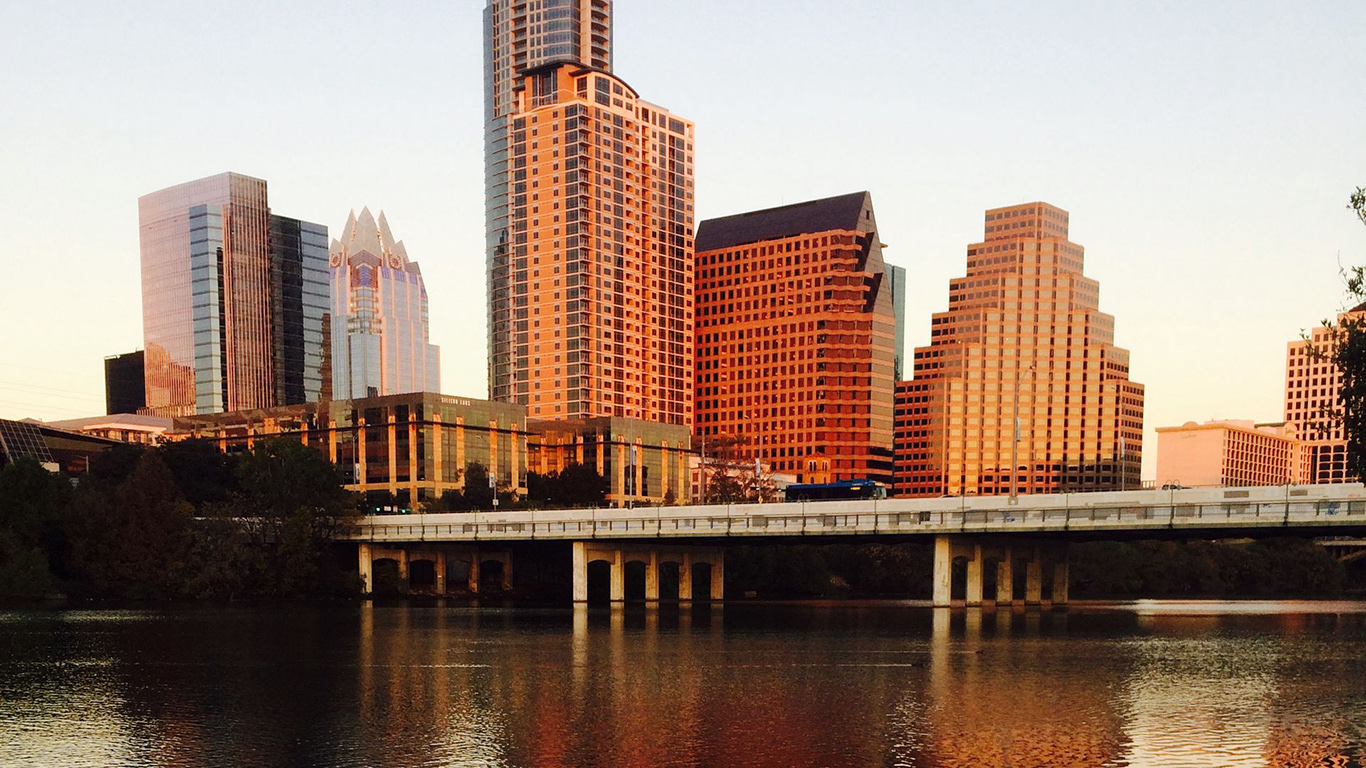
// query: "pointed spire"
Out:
[385,236]
[366,237]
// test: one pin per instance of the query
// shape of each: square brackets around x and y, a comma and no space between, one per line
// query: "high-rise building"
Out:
[796,335]
[1021,387]
[124,385]
[1312,386]
[520,36]
[379,315]
[896,277]
[590,220]
[1224,453]
[299,308]
[229,298]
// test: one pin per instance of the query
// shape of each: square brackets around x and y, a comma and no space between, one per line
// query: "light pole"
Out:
[1015,443]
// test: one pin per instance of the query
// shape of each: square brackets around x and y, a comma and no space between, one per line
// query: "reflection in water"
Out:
[846,683]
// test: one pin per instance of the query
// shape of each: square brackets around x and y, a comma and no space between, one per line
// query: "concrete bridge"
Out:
[985,531]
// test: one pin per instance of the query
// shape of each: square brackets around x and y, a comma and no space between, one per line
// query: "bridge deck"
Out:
[1222,510]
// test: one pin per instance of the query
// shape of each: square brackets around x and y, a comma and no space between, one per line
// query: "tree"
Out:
[31,499]
[202,472]
[293,503]
[131,542]
[1346,349]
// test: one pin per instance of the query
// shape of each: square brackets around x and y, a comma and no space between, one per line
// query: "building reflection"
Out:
[450,683]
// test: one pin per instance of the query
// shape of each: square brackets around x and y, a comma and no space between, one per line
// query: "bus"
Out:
[841,491]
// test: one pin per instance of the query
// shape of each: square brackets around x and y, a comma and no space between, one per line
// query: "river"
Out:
[846,683]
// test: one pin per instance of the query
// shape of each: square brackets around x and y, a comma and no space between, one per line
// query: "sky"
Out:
[1206,152]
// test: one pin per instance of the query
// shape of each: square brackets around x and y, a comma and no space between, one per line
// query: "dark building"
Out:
[124,384]
[299,308]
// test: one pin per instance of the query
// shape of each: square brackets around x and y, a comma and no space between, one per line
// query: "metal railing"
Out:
[1218,509]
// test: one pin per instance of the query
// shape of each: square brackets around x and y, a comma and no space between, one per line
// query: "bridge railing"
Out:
[1314,506]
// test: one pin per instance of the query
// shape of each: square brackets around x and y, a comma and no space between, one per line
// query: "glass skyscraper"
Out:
[379,319]
[230,316]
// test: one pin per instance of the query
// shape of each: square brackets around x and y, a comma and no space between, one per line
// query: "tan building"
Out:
[590,228]
[1312,385]
[412,446]
[132,428]
[644,462]
[796,339]
[1021,386]
[1230,453]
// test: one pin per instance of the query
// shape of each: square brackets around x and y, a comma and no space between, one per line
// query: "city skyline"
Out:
[1269,228]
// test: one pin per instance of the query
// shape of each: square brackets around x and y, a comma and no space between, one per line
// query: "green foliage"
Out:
[132,542]
[203,473]
[1268,568]
[577,485]
[1347,351]
[31,500]
[265,529]
[292,503]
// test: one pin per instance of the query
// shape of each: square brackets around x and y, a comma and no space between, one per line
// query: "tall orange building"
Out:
[591,220]
[1312,386]
[1021,371]
[795,339]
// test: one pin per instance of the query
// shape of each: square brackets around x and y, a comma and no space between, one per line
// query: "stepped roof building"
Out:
[1021,388]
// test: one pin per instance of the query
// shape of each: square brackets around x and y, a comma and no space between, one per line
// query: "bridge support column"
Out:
[440,572]
[718,576]
[973,594]
[943,571]
[1005,577]
[367,566]
[580,573]
[652,577]
[1060,576]
[472,582]
[685,578]
[618,579]
[1034,579]
[403,568]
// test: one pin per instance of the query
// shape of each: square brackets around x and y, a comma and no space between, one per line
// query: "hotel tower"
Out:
[1021,388]
[589,197]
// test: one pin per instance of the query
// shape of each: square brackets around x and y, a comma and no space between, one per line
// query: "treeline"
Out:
[577,485]
[180,521]
[1266,568]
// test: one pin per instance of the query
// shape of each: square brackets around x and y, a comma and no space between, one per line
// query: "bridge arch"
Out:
[599,580]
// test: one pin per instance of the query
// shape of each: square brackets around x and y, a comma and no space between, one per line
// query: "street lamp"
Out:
[1015,443]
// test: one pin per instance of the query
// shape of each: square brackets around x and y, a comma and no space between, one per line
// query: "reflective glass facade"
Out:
[299,307]
[414,446]
[230,320]
[644,462]
[379,315]
[124,387]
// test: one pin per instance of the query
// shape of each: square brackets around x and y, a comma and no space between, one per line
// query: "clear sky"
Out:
[1205,151]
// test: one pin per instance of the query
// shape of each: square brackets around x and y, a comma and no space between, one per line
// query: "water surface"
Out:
[747,684]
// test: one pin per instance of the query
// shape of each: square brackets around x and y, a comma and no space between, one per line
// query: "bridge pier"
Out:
[976,550]
[1005,577]
[439,555]
[1034,579]
[616,556]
